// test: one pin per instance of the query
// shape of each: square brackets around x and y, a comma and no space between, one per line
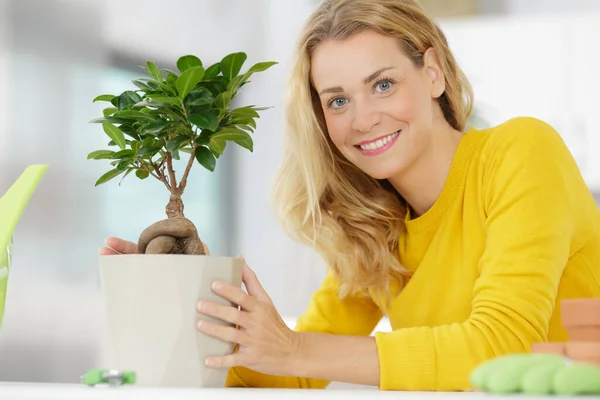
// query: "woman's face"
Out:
[379,108]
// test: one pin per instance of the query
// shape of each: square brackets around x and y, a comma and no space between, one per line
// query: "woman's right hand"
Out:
[118,246]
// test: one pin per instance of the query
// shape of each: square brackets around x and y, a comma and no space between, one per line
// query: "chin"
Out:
[381,174]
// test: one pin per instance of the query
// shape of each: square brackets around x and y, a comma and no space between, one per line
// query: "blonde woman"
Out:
[466,239]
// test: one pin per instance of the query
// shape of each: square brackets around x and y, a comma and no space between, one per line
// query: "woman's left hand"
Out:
[265,343]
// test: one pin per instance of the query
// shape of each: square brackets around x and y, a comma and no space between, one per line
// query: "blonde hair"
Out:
[353,220]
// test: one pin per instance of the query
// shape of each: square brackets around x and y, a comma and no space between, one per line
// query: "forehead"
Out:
[348,62]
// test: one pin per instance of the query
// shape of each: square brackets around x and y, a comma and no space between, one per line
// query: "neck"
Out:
[422,183]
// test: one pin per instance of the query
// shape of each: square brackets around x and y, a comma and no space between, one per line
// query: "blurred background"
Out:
[524,57]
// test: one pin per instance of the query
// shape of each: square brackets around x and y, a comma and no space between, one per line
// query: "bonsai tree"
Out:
[172,115]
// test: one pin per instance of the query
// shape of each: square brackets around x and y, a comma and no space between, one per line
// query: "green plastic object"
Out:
[12,204]
[536,374]
[114,378]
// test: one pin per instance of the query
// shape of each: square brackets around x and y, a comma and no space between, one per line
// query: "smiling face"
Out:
[380,109]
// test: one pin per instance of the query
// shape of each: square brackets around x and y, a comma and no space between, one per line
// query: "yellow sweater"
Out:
[514,231]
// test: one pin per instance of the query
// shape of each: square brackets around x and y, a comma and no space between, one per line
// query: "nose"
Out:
[365,117]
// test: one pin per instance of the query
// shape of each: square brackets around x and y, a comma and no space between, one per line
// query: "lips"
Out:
[379,145]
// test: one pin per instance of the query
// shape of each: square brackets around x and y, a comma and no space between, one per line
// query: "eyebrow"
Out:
[373,76]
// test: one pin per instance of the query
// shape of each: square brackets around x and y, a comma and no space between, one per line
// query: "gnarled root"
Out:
[176,235]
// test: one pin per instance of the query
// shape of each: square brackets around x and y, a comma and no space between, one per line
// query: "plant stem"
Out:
[172,179]
[161,177]
[188,167]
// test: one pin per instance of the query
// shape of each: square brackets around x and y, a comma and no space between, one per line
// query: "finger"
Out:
[235,295]
[253,285]
[121,246]
[223,332]
[106,251]
[224,313]
[227,361]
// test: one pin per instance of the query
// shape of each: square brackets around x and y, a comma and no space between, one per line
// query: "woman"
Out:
[466,239]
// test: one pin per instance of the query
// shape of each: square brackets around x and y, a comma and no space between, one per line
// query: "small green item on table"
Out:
[112,377]
[536,374]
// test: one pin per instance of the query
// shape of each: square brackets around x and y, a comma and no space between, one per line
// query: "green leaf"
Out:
[109,111]
[205,121]
[108,176]
[157,126]
[171,79]
[223,99]
[212,71]
[135,146]
[188,80]
[127,98]
[115,134]
[206,158]
[109,120]
[200,97]
[142,173]
[119,155]
[203,139]
[244,112]
[154,71]
[100,155]
[123,165]
[155,101]
[245,127]
[174,143]
[234,135]
[261,66]
[129,131]
[186,62]
[148,85]
[217,146]
[148,150]
[231,64]
[104,97]
[236,82]
[133,114]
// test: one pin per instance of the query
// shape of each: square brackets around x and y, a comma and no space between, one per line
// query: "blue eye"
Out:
[337,102]
[384,85]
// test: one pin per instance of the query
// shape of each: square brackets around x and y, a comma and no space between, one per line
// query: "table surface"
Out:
[51,391]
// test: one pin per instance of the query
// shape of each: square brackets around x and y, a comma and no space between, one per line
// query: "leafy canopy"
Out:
[177,111]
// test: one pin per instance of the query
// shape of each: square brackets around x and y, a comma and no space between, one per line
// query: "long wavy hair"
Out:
[353,220]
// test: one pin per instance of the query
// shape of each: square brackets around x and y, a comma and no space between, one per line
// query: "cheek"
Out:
[338,129]
[409,106]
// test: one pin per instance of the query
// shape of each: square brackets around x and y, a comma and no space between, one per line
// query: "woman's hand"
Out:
[118,246]
[265,343]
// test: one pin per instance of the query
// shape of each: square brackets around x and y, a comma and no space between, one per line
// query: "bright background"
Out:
[524,57]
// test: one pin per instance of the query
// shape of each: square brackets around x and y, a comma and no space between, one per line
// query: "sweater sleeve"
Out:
[530,213]
[326,313]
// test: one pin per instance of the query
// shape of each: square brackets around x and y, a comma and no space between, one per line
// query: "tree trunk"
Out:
[175,207]
[174,235]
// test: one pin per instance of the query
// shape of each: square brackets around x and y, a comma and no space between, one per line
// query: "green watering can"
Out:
[11,206]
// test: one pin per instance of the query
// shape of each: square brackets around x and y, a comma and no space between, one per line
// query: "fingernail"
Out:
[217,286]
[199,325]
[200,306]
[209,362]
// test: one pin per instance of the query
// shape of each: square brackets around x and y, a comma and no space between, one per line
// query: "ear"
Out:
[434,72]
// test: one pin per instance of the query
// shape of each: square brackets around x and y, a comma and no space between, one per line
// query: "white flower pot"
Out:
[151,317]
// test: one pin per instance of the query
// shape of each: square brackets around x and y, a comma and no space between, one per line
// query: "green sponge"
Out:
[536,373]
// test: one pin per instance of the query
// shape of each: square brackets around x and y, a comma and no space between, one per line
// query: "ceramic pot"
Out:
[584,352]
[550,347]
[151,317]
[581,319]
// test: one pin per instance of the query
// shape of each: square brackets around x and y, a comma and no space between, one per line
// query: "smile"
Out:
[378,146]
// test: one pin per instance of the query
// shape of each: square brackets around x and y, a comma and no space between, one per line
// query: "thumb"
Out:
[252,283]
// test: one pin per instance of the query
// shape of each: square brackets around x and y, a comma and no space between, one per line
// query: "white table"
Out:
[43,391]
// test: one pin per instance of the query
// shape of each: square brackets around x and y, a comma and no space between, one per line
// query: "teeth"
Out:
[379,143]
